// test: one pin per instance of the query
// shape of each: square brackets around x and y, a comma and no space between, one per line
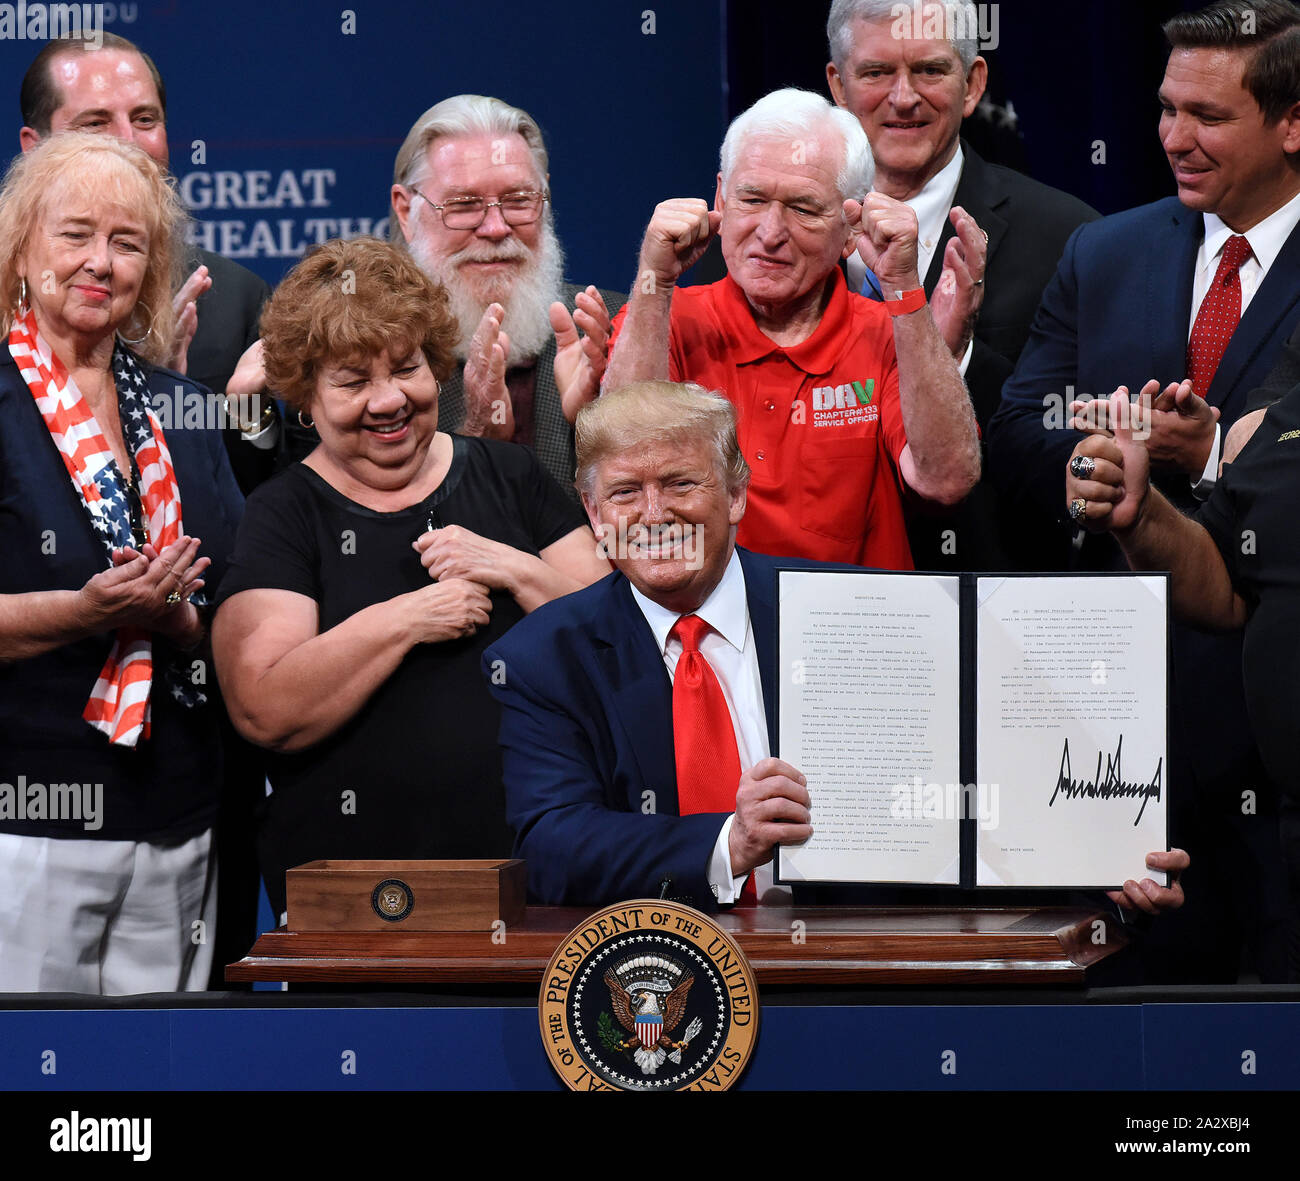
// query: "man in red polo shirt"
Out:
[843,401]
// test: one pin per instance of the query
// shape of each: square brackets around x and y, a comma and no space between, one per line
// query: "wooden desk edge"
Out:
[1059,956]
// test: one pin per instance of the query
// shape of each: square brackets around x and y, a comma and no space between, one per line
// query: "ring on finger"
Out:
[1083,466]
[173,597]
[1078,506]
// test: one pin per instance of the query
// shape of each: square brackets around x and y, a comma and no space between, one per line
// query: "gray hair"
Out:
[801,114]
[645,412]
[467,114]
[960,14]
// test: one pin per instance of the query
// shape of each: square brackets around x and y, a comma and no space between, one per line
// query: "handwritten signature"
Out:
[1113,786]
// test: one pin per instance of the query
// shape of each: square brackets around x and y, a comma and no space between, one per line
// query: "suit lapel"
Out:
[975,195]
[1170,273]
[760,590]
[639,691]
[1269,306]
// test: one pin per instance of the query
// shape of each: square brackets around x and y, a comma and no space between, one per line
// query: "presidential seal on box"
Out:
[392,900]
[649,996]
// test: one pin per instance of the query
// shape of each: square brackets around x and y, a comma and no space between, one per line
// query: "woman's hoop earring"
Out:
[23,306]
[307,426]
[148,331]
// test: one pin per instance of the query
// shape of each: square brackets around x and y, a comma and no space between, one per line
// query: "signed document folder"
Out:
[975,730]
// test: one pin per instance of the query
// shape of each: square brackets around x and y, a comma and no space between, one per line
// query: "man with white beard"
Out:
[470,203]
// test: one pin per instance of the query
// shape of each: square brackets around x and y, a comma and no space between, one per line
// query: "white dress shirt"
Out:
[729,649]
[1266,240]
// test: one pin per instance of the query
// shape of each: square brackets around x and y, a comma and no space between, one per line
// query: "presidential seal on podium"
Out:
[649,996]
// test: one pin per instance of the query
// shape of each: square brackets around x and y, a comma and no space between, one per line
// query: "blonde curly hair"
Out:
[101,171]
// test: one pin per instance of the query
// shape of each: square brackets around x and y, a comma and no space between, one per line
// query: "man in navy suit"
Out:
[1120,309]
[1120,312]
[586,682]
[593,756]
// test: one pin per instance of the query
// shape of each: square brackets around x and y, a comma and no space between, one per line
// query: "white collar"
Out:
[1266,238]
[937,193]
[726,610]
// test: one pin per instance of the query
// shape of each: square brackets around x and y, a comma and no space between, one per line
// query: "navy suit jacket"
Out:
[587,745]
[1117,312]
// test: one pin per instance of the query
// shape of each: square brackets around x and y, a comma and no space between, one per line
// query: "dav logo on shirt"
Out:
[839,405]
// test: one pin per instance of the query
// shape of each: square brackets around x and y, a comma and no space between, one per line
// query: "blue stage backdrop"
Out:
[284,119]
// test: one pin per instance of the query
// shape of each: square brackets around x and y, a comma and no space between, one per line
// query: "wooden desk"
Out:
[835,945]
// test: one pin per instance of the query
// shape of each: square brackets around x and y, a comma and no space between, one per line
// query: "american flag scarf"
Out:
[119,702]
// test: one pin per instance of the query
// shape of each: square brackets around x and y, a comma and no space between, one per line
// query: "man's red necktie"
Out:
[704,739]
[1217,317]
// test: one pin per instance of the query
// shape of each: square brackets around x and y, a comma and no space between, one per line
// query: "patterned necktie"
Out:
[704,738]
[1217,317]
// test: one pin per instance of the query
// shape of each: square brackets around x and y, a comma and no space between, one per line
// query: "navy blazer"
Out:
[167,787]
[587,744]
[1117,312]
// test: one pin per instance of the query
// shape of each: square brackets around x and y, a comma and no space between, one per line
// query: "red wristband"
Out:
[909,301]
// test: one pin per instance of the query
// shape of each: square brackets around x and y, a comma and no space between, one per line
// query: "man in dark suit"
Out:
[116,88]
[910,88]
[619,783]
[470,203]
[587,684]
[1205,286]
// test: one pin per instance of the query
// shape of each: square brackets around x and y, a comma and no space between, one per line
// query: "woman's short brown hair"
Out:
[103,170]
[348,300]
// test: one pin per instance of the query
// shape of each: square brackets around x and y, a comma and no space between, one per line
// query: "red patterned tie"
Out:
[1217,317]
[704,739]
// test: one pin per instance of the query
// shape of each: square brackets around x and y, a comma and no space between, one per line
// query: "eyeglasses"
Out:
[467,213]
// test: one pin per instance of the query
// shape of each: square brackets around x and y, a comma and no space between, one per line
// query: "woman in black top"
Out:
[368,579]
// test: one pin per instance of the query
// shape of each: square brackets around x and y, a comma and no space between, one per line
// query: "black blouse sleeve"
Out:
[1218,515]
[549,514]
[275,548]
